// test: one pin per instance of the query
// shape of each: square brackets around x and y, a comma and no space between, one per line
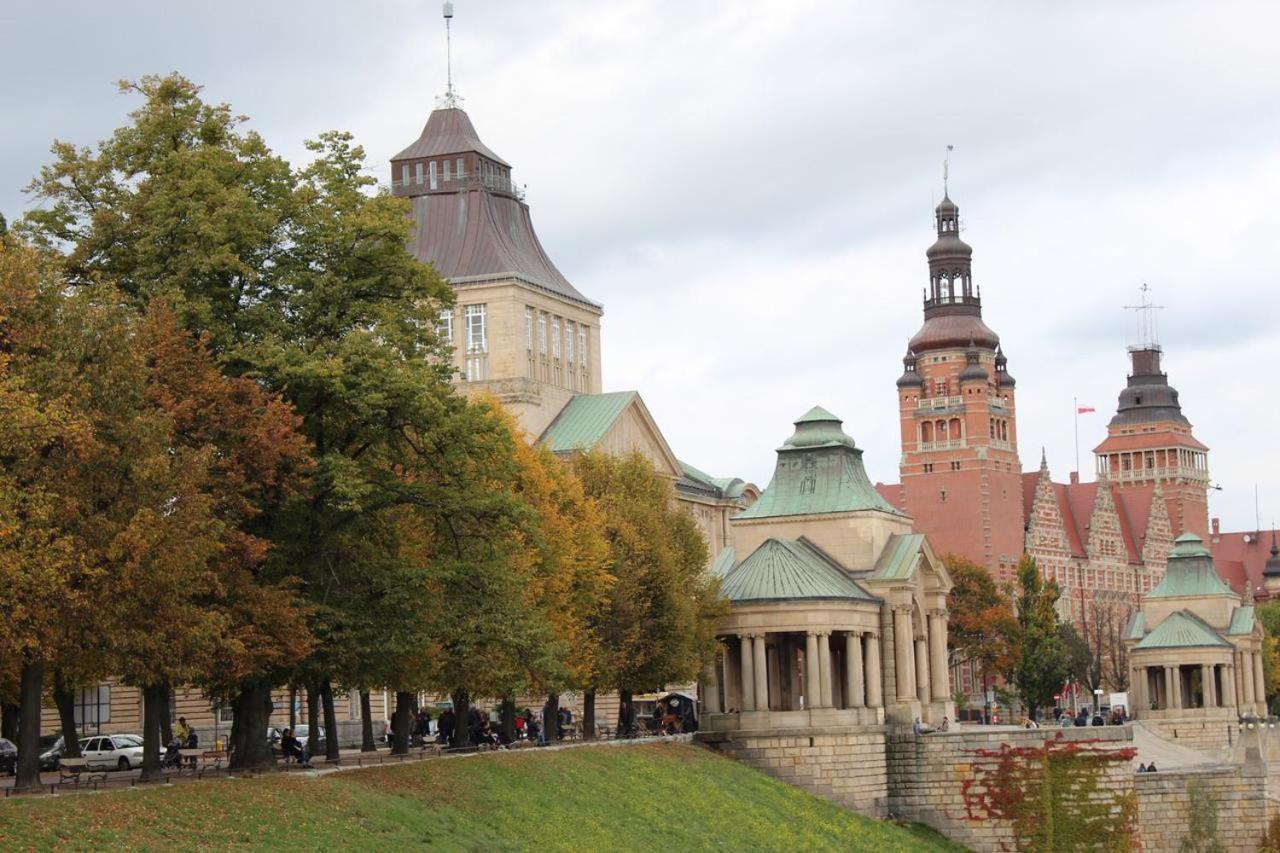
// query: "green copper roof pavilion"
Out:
[785,570]
[819,470]
[1179,630]
[1190,572]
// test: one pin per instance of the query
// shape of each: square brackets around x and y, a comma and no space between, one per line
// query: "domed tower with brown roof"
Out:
[520,330]
[1149,440]
[961,479]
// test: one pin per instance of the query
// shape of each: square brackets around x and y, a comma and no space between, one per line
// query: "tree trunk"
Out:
[402,723]
[9,721]
[313,718]
[293,706]
[367,743]
[251,712]
[589,715]
[331,745]
[461,719]
[626,714]
[166,722]
[155,704]
[508,719]
[65,700]
[30,697]
[553,717]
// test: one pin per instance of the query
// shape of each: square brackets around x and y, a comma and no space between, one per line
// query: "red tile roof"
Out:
[1075,503]
[1236,559]
[1147,441]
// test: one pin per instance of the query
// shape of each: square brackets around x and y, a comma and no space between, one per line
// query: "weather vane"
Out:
[1147,326]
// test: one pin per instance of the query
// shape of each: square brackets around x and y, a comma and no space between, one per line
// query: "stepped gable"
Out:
[1077,503]
[470,219]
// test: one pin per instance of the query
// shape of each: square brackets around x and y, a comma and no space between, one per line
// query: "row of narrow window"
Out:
[476,331]
[551,343]
[448,170]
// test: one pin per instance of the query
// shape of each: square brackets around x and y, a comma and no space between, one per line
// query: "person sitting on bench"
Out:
[293,748]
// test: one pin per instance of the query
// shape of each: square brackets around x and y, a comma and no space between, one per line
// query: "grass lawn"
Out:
[669,796]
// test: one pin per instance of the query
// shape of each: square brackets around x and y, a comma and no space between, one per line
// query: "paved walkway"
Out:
[1165,753]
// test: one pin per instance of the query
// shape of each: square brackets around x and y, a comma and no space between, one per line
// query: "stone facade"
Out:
[927,775]
[843,764]
[1239,792]
[1206,734]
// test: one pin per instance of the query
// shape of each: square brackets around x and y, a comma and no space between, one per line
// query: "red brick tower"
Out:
[1149,442]
[961,479]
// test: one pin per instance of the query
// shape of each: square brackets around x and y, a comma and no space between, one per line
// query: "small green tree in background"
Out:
[1042,661]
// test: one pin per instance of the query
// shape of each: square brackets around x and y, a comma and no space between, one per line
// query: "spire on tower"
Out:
[450,99]
[946,168]
[1147,326]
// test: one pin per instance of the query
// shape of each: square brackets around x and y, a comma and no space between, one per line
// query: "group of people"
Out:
[184,737]
[1117,717]
[483,730]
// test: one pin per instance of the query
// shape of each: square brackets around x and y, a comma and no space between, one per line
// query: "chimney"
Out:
[1075,478]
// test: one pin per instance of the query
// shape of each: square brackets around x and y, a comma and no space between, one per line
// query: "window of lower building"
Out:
[528,329]
[444,325]
[93,705]
[477,333]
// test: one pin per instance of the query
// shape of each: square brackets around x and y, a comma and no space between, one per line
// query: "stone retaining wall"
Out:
[1164,805]
[843,764]
[1197,734]
[927,775]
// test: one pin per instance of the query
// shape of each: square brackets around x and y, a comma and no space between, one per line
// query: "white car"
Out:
[112,752]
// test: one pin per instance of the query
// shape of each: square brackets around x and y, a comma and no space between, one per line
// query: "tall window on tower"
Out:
[477,343]
[583,351]
[444,325]
[431,173]
[557,367]
[568,353]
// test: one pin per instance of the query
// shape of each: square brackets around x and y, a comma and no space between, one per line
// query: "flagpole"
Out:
[1076,409]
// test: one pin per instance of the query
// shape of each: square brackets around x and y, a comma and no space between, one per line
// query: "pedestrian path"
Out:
[1165,753]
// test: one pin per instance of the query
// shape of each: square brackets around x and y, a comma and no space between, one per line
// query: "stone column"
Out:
[938,669]
[856,696]
[922,670]
[875,678]
[903,659]
[1230,692]
[1175,686]
[1138,678]
[1206,685]
[747,679]
[762,675]
[824,669]
[711,688]
[1246,670]
[812,680]
[1259,680]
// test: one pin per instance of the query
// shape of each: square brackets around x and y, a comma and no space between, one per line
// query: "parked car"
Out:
[8,756]
[302,731]
[49,758]
[112,752]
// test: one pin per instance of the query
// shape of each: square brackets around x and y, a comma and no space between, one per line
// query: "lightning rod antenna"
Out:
[946,168]
[450,99]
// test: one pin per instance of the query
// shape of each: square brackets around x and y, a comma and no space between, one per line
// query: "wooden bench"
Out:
[210,759]
[73,771]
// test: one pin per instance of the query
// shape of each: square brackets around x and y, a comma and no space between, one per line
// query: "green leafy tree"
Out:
[1042,661]
[658,626]
[301,281]
[981,626]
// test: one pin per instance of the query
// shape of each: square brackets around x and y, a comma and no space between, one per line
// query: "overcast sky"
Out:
[748,187]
